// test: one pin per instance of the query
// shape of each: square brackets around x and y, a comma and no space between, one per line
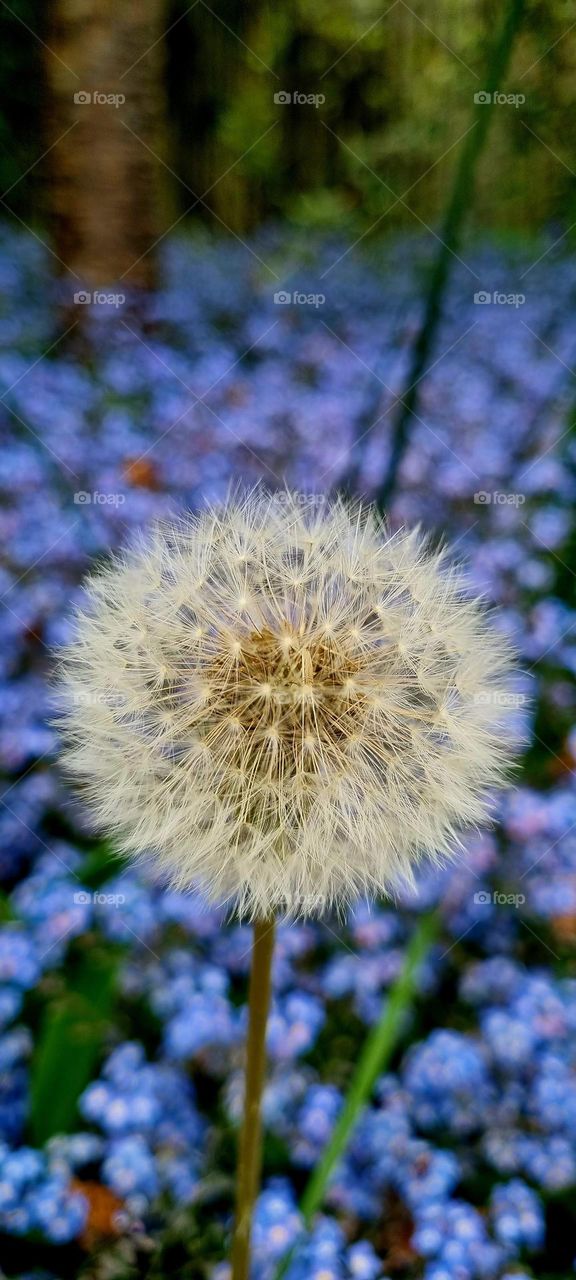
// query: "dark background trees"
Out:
[200,82]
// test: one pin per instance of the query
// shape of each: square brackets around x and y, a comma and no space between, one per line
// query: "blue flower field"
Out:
[123,1005]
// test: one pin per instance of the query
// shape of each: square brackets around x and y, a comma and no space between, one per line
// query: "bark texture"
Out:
[104,178]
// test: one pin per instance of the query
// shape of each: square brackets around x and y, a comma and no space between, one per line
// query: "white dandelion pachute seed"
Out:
[285,705]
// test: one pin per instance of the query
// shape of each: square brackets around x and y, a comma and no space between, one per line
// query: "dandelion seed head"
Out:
[285,705]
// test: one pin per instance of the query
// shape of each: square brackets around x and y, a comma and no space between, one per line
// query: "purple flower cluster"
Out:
[153,1130]
[325,1255]
[37,1198]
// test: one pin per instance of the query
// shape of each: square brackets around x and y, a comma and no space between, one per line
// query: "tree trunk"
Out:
[106,111]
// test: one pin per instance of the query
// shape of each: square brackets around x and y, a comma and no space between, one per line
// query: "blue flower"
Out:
[517,1214]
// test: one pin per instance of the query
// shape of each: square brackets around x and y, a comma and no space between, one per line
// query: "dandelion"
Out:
[285,706]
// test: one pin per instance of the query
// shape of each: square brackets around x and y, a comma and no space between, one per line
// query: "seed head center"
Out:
[293,691]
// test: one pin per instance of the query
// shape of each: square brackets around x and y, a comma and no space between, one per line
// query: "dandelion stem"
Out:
[250,1151]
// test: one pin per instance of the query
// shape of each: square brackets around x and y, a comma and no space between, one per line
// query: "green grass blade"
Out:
[459,205]
[375,1056]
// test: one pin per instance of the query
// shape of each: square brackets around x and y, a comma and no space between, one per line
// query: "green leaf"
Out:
[7,912]
[69,1045]
[102,864]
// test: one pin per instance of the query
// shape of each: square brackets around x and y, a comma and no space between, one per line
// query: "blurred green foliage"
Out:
[398,81]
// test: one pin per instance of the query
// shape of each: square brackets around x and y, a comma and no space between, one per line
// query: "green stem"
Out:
[375,1056]
[250,1151]
[459,204]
